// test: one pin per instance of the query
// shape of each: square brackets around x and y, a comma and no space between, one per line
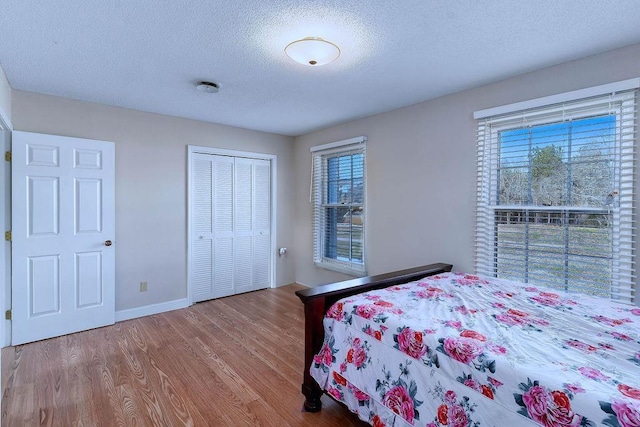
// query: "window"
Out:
[338,197]
[555,196]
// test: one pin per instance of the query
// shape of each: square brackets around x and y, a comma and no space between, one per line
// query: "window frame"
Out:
[544,111]
[319,199]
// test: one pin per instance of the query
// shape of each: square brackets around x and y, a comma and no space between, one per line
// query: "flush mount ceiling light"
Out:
[207,87]
[312,51]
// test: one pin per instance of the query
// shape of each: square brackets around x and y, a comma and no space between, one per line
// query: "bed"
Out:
[430,347]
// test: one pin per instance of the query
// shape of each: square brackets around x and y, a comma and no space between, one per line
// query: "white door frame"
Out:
[5,221]
[191,149]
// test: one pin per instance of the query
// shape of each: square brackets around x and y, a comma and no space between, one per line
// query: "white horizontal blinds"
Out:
[555,195]
[338,197]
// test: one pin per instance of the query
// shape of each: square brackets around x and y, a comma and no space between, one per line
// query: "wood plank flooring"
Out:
[234,361]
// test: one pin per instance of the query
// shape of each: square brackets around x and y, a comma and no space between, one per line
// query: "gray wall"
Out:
[5,97]
[151,185]
[421,168]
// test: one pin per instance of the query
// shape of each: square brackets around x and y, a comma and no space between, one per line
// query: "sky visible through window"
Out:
[566,163]
[345,172]
[590,129]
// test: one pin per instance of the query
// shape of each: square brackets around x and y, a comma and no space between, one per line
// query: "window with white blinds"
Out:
[555,194]
[338,198]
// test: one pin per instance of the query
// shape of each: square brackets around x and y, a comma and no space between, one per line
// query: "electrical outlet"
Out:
[143,286]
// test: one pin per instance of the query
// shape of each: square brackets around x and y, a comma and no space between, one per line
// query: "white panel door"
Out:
[63,224]
[231,225]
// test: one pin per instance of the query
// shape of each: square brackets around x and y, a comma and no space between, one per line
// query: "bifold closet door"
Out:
[231,223]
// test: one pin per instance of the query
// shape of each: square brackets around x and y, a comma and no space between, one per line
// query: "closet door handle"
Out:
[108,243]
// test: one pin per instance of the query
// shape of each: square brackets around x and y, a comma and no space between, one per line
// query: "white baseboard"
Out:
[148,310]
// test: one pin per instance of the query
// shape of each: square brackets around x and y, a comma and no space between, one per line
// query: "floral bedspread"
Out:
[458,350]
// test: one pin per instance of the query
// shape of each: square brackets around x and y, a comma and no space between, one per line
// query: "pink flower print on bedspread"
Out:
[548,298]
[430,292]
[371,313]
[386,306]
[455,324]
[622,413]
[383,303]
[468,351]
[399,401]
[453,412]
[400,395]
[609,321]
[337,390]
[376,333]
[360,395]
[621,337]
[584,347]
[411,343]
[336,311]
[376,421]
[454,416]
[326,356]
[629,391]
[550,409]
[461,349]
[487,389]
[468,333]
[513,317]
[366,311]
[503,294]
[336,393]
[469,280]
[593,373]
[463,310]
[357,354]
[546,407]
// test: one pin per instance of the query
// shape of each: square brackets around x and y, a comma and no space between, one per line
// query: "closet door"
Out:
[231,225]
[201,215]
[243,233]
[262,224]
[223,227]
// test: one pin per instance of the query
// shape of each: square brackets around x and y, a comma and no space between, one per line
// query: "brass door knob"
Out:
[108,243]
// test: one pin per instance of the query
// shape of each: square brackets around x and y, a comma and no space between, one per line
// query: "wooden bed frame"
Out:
[319,299]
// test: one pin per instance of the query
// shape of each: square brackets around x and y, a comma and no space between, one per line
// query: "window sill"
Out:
[341,269]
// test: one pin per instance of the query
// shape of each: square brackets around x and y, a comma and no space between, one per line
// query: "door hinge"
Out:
[7,315]
[7,236]
[7,156]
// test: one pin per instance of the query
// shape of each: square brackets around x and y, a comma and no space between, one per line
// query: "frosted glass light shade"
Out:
[312,51]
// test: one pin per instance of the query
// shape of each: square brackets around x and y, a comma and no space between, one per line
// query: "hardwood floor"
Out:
[234,361]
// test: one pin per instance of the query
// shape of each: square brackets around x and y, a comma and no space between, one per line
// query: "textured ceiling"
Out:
[148,54]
